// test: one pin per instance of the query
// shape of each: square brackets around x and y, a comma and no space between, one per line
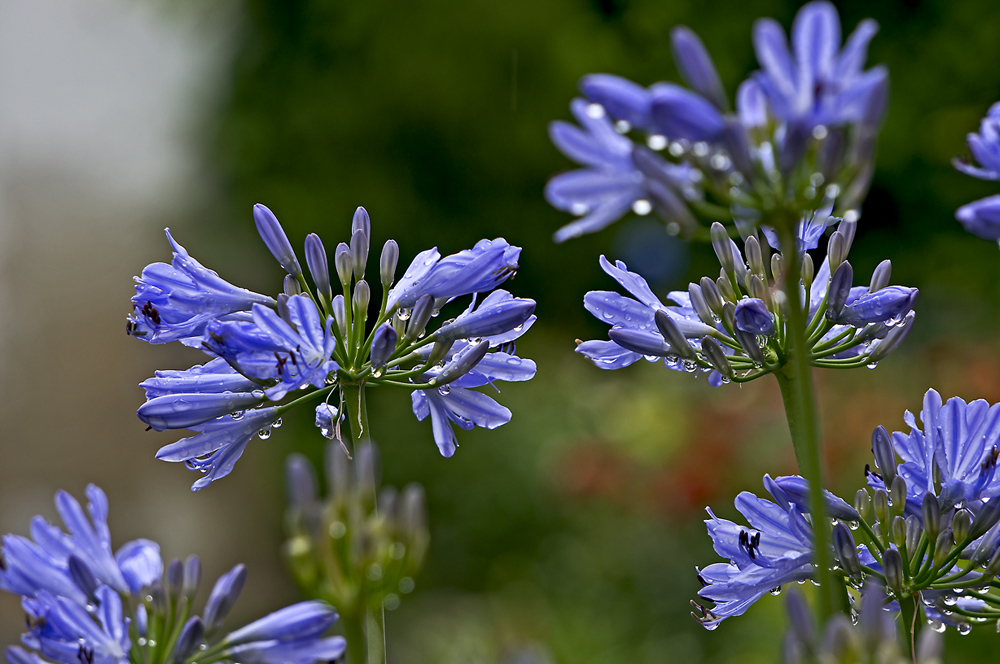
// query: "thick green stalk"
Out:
[909,613]
[354,632]
[356,405]
[795,381]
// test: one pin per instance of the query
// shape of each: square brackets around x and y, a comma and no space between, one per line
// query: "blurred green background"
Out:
[572,533]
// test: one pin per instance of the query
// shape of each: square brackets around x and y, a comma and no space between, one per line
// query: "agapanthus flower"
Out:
[982,217]
[801,136]
[84,605]
[774,550]
[733,327]
[269,354]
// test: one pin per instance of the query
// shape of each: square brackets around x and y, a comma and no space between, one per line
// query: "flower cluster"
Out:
[929,526]
[360,547]
[802,135]
[311,340]
[982,218]
[87,605]
[734,327]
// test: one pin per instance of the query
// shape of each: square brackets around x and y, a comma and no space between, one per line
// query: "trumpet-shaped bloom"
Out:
[985,148]
[177,301]
[982,218]
[499,312]
[484,267]
[66,632]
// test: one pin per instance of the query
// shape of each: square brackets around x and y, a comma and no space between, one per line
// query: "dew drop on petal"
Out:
[277,424]
[237,414]
[403,314]
[642,207]
[656,141]
[444,390]
[257,394]
[595,111]
[623,127]
[872,365]
[964,628]
[264,434]
[775,591]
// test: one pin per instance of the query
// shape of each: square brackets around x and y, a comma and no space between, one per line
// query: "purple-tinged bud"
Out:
[696,293]
[419,317]
[291,285]
[181,411]
[300,621]
[495,315]
[359,253]
[383,346]
[681,114]
[722,246]
[863,504]
[796,489]
[362,296]
[930,510]
[462,363]
[191,637]
[284,313]
[361,222]
[898,530]
[192,575]
[942,546]
[960,525]
[623,99]
[748,342]
[275,239]
[141,623]
[982,218]
[159,598]
[840,288]
[988,517]
[716,356]
[695,66]
[413,510]
[753,317]
[224,595]
[318,265]
[892,340]
[672,334]
[387,263]
[892,564]
[913,532]
[643,342]
[340,314]
[800,619]
[897,494]
[712,296]
[737,144]
[326,420]
[300,482]
[343,263]
[754,257]
[175,578]
[729,316]
[846,550]
[836,250]
[987,545]
[758,290]
[993,566]
[439,351]
[885,457]
[880,503]
[880,306]
[726,289]
[82,576]
[881,275]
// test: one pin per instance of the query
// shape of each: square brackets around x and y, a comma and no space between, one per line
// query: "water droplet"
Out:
[642,207]
[277,424]
[671,360]
[719,162]
[711,627]
[203,647]
[950,600]
[237,414]
[152,643]
[514,361]
[403,314]
[579,208]
[337,530]
[964,628]
[623,127]
[853,525]
[775,591]
[700,149]
[257,394]
[833,191]
[518,328]
[726,380]
[595,111]
[141,641]
[820,132]
[444,390]
[378,373]
[676,149]
[331,378]
[872,365]
[264,434]
[690,366]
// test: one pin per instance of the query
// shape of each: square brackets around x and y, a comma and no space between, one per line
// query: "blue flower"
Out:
[776,549]
[982,218]
[818,83]
[985,148]
[617,176]
[499,312]
[42,566]
[66,632]
[220,443]
[177,301]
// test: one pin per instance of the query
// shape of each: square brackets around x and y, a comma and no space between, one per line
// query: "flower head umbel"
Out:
[734,327]
[269,354]
[982,217]
[85,605]
[802,135]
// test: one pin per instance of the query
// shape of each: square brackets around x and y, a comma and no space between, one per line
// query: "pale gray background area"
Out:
[98,104]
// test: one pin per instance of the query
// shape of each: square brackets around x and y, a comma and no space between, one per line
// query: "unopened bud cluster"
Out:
[360,546]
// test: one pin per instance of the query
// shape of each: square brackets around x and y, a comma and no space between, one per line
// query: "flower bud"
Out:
[885,457]
[359,253]
[897,494]
[696,67]
[159,595]
[495,315]
[836,250]
[192,575]
[318,266]
[883,305]
[988,517]
[672,334]
[993,566]
[462,363]
[840,287]
[881,505]
[942,546]
[748,342]
[898,530]
[726,287]
[338,471]
[383,346]
[892,564]
[275,239]
[190,638]
[800,618]
[863,504]
[931,512]
[362,296]
[713,298]
[776,266]
[699,303]
[175,578]
[881,275]
[291,285]
[342,261]
[754,257]
[729,316]
[439,351]
[808,270]
[643,342]
[893,340]
[723,247]
[913,532]
[960,525]
[846,550]
[361,222]
[224,594]
[716,356]
[300,482]
[847,227]
[419,317]
[387,262]
[340,314]
[752,317]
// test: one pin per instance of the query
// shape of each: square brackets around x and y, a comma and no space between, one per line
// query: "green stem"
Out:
[795,381]
[909,613]
[354,632]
